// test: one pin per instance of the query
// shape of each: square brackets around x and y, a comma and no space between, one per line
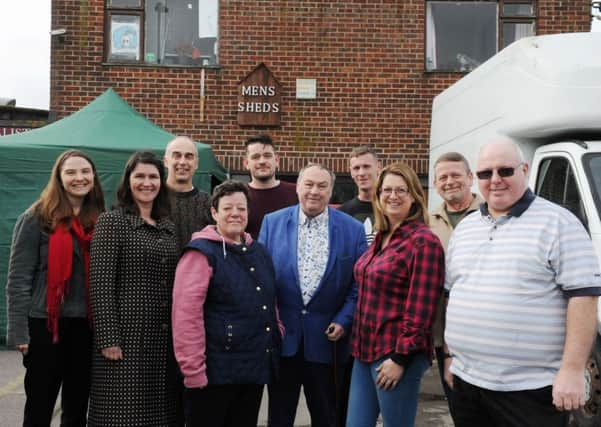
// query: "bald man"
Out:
[523,281]
[190,207]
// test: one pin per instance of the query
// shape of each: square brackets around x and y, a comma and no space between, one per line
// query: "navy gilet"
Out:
[242,336]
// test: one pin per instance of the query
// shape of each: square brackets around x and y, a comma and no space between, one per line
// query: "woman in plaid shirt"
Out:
[400,279]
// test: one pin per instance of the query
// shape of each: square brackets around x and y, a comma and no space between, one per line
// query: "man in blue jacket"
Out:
[314,249]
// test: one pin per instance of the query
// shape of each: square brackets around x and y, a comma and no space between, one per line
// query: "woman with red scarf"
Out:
[47,291]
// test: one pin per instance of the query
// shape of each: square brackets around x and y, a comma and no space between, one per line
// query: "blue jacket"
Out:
[336,296]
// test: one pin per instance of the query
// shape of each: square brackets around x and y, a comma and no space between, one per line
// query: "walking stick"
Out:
[336,382]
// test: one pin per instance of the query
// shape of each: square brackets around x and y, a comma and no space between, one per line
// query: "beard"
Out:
[264,178]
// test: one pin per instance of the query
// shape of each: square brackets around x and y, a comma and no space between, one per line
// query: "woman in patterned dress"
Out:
[133,258]
[47,291]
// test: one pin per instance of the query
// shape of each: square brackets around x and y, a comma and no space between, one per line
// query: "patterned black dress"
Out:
[131,280]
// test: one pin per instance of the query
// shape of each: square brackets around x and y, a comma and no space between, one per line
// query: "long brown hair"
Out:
[54,207]
[418,209]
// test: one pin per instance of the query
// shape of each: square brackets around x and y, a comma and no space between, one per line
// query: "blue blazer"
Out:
[335,298]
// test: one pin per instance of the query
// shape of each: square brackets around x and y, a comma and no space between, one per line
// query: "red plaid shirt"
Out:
[399,288]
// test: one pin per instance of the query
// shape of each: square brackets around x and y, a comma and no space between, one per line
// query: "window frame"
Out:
[109,11]
[140,12]
[542,174]
[502,19]
[595,190]
[514,19]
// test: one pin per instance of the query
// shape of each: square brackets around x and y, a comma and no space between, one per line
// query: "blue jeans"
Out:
[398,406]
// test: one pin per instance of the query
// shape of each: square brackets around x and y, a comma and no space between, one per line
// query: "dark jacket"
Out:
[242,334]
[26,282]
[131,280]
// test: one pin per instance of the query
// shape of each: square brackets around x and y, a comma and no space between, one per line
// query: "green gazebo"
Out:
[109,130]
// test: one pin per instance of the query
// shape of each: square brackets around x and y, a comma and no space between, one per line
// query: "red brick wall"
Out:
[564,16]
[367,58]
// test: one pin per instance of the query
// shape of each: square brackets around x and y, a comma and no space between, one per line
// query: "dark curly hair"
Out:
[225,189]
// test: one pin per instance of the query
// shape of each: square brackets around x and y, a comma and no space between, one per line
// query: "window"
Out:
[162,32]
[592,166]
[556,182]
[460,35]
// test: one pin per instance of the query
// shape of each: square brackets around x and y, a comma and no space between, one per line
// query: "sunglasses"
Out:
[504,172]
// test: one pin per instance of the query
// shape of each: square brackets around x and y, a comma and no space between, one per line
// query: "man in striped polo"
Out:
[523,281]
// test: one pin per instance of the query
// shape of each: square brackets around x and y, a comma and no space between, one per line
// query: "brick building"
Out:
[376,65]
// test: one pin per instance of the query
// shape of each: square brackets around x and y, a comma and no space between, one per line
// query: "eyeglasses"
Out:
[401,192]
[504,172]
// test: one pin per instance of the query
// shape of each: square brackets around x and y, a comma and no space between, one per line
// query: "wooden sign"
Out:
[259,98]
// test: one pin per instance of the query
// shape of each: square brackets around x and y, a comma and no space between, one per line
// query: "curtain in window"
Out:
[430,39]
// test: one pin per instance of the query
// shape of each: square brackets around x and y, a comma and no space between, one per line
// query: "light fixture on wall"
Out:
[58,32]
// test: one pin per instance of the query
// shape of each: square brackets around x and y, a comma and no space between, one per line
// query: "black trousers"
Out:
[440,359]
[317,380]
[476,407]
[228,405]
[181,407]
[50,366]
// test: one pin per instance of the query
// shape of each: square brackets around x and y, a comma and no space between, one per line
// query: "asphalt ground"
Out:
[432,409]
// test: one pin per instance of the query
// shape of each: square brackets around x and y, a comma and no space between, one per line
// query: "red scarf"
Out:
[60,263]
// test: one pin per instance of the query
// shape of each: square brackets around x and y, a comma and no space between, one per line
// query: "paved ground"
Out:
[432,407]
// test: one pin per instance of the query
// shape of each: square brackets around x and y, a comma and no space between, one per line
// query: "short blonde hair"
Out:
[418,211]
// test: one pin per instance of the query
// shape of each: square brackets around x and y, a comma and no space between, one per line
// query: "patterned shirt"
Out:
[313,251]
[399,287]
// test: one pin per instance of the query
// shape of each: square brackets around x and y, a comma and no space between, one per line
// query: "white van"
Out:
[544,93]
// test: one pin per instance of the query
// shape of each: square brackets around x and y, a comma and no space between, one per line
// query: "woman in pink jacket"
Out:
[225,329]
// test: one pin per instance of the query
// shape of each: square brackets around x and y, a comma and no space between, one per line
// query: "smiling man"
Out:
[190,211]
[453,180]
[266,193]
[523,281]
[314,249]
[190,207]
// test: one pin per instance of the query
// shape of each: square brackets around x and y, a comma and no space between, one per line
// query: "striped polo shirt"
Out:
[509,281]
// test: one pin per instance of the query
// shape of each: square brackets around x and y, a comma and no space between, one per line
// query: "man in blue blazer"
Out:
[314,249]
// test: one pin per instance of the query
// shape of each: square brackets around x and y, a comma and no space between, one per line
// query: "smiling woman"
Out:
[226,332]
[77,176]
[400,279]
[133,259]
[145,184]
[47,291]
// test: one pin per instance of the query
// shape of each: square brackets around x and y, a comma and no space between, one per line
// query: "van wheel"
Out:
[590,414]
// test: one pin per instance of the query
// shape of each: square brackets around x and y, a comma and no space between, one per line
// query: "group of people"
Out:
[176,308]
